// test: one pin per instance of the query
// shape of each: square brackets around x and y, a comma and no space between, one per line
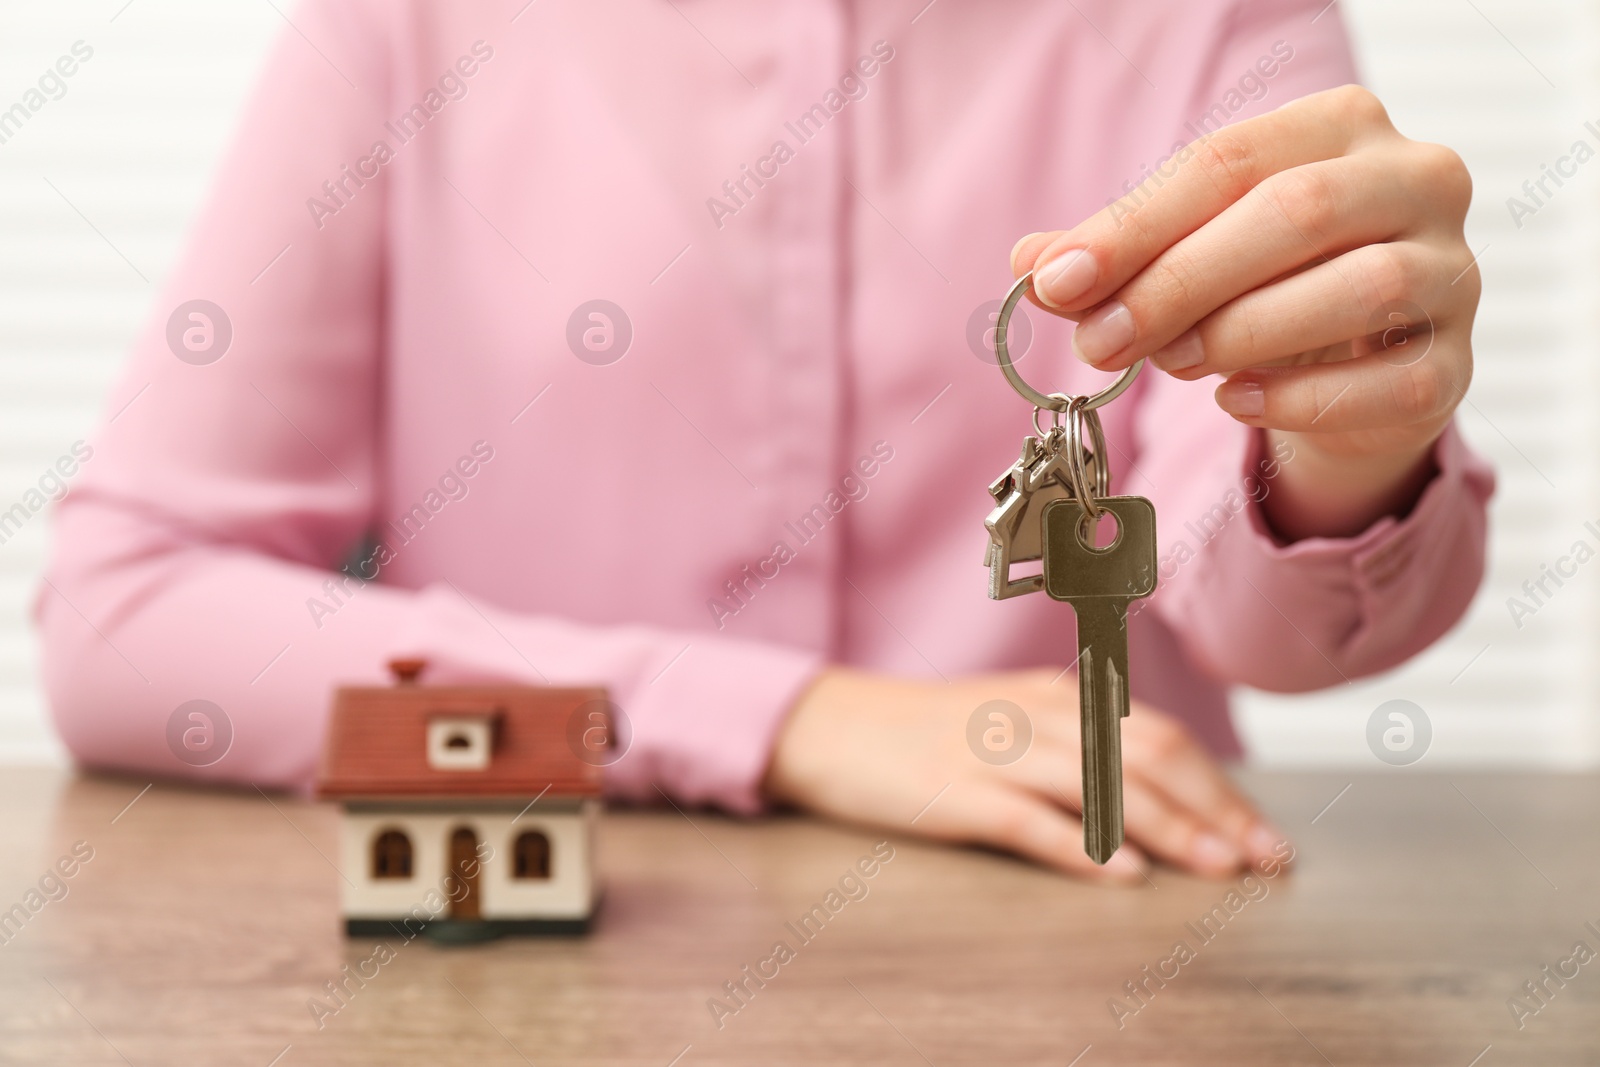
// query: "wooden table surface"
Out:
[206,923]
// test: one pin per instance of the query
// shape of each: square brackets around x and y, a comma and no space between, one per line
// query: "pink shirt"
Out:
[800,206]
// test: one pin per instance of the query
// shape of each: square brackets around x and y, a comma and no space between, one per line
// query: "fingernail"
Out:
[1066,277]
[1262,841]
[1244,399]
[1105,333]
[1018,247]
[1185,352]
[1213,852]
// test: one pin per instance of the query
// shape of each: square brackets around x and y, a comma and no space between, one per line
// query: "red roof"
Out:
[376,744]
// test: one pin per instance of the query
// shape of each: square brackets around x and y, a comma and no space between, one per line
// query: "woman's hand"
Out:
[1314,257]
[895,753]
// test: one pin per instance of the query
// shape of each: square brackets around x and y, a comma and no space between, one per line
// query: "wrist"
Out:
[1319,492]
[787,770]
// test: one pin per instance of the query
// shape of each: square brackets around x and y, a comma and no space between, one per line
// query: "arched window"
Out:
[391,855]
[531,856]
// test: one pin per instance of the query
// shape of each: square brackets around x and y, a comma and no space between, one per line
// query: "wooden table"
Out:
[206,921]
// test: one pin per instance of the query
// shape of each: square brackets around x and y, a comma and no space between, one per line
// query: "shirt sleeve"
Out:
[1251,610]
[222,493]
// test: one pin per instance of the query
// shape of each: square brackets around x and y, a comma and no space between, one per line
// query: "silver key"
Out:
[1040,476]
[1100,583]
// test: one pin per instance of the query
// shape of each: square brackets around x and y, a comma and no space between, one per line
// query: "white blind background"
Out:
[98,188]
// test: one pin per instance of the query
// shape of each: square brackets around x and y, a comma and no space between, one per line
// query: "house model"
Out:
[468,810]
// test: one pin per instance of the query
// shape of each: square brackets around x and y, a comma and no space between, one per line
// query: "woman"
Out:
[628,345]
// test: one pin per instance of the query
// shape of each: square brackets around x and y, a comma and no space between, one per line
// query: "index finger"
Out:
[1078,268]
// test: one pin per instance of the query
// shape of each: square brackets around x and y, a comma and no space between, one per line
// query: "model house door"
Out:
[464,866]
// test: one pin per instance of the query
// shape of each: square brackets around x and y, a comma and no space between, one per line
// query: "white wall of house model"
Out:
[568,893]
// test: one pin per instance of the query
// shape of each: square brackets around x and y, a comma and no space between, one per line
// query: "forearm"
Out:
[137,619]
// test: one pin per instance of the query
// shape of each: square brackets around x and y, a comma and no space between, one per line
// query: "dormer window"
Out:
[460,742]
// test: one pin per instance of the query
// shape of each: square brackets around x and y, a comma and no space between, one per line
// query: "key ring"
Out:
[1055,415]
[1078,457]
[1058,402]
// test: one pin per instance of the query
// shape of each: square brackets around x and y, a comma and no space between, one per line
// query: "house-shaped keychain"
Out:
[469,811]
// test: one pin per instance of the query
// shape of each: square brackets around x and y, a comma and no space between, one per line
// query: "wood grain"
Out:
[205,922]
